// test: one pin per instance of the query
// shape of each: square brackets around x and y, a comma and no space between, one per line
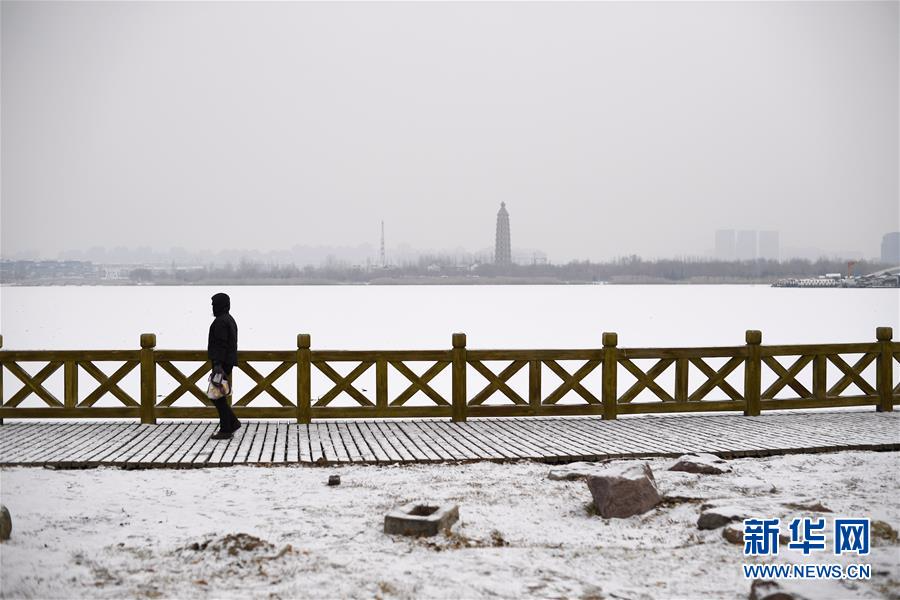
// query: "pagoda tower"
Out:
[502,247]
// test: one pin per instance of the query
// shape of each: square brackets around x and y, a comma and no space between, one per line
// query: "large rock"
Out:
[715,517]
[577,470]
[805,589]
[624,489]
[762,589]
[707,464]
[883,534]
[807,506]
[735,535]
[5,523]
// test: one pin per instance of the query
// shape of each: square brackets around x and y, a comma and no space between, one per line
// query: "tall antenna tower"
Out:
[383,261]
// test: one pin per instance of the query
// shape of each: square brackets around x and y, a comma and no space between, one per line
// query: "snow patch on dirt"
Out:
[282,532]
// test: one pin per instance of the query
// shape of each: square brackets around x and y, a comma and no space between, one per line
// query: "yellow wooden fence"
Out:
[594,386]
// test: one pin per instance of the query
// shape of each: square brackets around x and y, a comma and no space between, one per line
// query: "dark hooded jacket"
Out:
[222,347]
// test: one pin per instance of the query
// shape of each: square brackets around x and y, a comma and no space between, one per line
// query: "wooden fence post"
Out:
[459,377]
[752,373]
[70,384]
[148,378]
[381,387]
[304,379]
[534,386]
[884,335]
[820,377]
[610,391]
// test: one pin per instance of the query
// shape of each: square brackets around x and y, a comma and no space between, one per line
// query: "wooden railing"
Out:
[606,381]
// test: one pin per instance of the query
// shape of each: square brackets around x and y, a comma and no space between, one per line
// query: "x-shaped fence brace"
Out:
[108,384]
[646,380]
[497,382]
[786,377]
[264,384]
[187,384]
[716,379]
[419,384]
[343,384]
[852,374]
[571,382]
[33,384]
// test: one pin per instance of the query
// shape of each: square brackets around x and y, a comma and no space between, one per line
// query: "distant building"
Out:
[745,245]
[725,244]
[502,247]
[768,245]
[890,248]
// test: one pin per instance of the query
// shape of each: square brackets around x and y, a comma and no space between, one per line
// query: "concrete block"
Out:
[417,518]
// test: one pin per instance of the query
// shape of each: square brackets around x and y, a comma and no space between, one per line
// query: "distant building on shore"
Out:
[725,244]
[890,248]
[502,246]
[768,245]
[745,245]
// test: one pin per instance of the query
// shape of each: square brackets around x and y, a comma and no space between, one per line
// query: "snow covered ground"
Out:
[281,532]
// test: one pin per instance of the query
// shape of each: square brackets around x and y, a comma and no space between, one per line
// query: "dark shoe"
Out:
[236,426]
[220,435]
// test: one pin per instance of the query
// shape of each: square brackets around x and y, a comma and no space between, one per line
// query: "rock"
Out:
[882,531]
[624,489]
[707,464]
[762,589]
[715,517]
[808,506]
[804,589]
[334,480]
[5,523]
[577,470]
[733,535]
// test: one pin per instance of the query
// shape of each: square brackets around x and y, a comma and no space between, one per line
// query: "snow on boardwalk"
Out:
[187,444]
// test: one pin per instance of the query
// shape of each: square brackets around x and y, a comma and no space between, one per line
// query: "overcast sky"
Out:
[607,128]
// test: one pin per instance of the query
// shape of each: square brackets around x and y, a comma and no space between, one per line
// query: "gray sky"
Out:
[607,128]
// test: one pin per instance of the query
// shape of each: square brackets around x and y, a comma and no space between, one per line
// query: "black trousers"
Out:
[228,423]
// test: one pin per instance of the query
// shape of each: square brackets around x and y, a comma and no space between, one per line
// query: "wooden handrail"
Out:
[595,383]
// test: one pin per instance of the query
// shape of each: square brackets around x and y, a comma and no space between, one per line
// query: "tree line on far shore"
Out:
[434,269]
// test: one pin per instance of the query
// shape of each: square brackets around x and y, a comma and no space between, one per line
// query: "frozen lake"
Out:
[424,317]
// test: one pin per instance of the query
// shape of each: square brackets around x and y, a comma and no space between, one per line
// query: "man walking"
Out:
[222,350]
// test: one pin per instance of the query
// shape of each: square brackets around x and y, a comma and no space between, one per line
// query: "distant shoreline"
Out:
[433,281]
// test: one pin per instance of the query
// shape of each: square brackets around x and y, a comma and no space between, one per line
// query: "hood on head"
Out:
[221,304]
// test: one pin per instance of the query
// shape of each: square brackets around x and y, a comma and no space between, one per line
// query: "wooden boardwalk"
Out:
[555,439]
